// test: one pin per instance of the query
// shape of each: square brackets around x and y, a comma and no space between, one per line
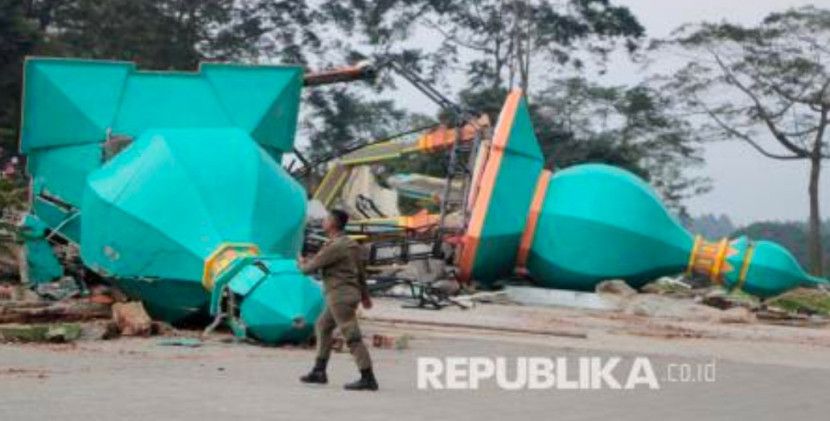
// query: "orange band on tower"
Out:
[750,251]
[533,218]
[723,247]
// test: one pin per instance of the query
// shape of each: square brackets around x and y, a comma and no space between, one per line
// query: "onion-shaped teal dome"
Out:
[174,196]
[600,222]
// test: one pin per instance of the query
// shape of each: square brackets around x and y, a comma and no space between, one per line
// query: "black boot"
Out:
[367,381]
[317,374]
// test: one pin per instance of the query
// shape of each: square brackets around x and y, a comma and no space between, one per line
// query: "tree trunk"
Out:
[815,249]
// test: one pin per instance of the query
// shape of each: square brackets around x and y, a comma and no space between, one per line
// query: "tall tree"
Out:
[792,235]
[339,119]
[628,127]
[18,36]
[509,38]
[157,34]
[493,43]
[770,81]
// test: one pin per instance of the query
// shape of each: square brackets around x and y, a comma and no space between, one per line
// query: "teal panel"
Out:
[43,265]
[522,135]
[69,101]
[246,279]
[509,205]
[147,103]
[270,115]
[776,268]
[283,307]
[78,101]
[55,216]
[61,172]
[506,217]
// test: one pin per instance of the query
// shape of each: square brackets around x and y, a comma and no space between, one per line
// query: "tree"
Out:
[340,119]
[493,42]
[628,127]
[767,81]
[507,38]
[165,34]
[792,235]
[496,43]
[18,36]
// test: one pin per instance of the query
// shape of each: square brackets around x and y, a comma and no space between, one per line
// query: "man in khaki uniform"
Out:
[345,287]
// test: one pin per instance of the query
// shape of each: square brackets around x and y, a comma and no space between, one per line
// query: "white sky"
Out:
[747,186]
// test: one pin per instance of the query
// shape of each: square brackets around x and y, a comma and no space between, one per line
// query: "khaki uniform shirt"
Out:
[342,269]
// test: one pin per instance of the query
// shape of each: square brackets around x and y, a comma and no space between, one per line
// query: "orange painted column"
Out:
[532,220]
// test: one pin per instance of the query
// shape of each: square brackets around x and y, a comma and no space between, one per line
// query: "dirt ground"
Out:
[763,372]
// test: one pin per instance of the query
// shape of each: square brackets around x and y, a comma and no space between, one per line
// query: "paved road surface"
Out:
[137,379]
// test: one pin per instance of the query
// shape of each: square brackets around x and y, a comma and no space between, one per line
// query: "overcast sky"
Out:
[747,186]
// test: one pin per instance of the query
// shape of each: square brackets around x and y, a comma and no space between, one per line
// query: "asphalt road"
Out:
[137,379]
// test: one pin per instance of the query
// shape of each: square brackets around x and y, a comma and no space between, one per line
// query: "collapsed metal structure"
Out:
[171,186]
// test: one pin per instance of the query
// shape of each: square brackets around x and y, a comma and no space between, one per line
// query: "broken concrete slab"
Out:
[397,342]
[644,305]
[45,312]
[737,315]
[668,286]
[132,319]
[723,299]
[535,296]
[181,342]
[616,287]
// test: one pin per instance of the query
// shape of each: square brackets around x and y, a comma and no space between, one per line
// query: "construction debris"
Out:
[45,312]
[63,288]
[561,298]
[492,297]
[616,287]
[391,342]
[183,342]
[737,315]
[616,296]
[59,333]
[670,287]
[802,301]
[132,319]
[723,299]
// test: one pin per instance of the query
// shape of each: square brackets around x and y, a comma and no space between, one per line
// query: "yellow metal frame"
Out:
[222,257]
[750,250]
[693,255]
[430,142]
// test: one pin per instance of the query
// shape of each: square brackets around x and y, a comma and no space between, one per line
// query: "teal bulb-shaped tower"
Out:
[592,222]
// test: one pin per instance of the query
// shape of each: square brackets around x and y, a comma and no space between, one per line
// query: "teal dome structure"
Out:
[612,225]
[174,196]
[170,184]
[579,226]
